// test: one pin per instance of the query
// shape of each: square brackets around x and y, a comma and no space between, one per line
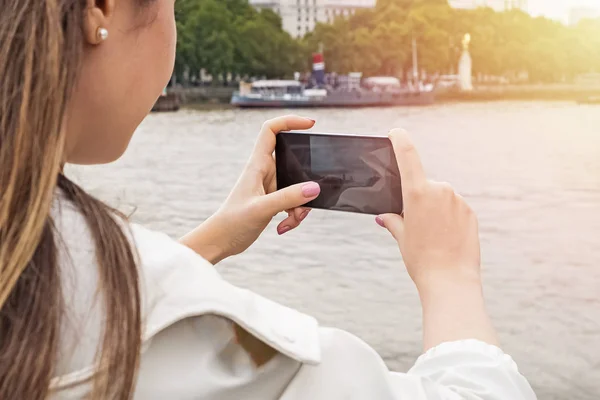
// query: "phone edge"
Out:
[350,135]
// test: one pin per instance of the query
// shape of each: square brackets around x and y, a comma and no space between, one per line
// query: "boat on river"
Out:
[332,90]
[371,93]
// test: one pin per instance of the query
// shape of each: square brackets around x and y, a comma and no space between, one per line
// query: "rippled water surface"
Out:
[530,170]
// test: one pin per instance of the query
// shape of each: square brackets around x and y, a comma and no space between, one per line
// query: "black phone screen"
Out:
[356,173]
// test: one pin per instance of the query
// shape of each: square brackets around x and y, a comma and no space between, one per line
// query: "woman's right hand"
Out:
[439,240]
[438,236]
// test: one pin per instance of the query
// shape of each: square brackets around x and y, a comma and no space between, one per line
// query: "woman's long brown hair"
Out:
[41,44]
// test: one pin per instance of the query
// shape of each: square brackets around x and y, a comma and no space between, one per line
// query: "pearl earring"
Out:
[102,34]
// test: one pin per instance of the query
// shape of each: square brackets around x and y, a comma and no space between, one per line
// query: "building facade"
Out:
[498,5]
[300,16]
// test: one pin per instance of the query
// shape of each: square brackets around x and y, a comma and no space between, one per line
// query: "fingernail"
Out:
[283,229]
[311,189]
[311,120]
[304,215]
[379,221]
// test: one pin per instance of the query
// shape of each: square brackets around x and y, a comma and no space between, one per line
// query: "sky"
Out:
[559,9]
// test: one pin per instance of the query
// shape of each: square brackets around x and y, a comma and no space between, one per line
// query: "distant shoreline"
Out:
[217,97]
[551,92]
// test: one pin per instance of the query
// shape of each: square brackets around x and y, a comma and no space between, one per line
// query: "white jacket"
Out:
[190,350]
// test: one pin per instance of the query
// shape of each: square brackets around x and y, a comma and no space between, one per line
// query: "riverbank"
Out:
[554,92]
[205,94]
[209,97]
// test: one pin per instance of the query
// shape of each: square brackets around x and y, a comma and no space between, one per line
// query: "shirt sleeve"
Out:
[464,370]
[469,369]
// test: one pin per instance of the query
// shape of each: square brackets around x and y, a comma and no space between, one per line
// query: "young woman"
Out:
[94,307]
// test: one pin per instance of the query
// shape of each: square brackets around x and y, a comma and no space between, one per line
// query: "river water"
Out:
[530,170]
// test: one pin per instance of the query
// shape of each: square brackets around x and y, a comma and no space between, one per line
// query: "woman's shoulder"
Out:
[180,284]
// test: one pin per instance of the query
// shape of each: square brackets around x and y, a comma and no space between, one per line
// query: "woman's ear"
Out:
[97,20]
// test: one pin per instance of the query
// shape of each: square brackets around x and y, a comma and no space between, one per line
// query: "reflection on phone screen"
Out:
[357,174]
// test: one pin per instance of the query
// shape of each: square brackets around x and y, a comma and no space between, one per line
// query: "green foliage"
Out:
[230,36]
[508,44]
[503,44]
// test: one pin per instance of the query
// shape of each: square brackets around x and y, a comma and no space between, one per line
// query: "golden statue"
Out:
[466,40]
[465,66]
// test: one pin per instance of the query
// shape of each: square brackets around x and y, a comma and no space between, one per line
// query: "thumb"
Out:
[290,197]
[394,224]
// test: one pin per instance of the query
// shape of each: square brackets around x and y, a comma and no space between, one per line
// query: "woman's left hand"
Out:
[254,200]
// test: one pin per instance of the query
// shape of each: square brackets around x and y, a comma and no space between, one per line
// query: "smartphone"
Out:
[356,173]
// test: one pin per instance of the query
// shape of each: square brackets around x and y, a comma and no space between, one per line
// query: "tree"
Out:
[231,36]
